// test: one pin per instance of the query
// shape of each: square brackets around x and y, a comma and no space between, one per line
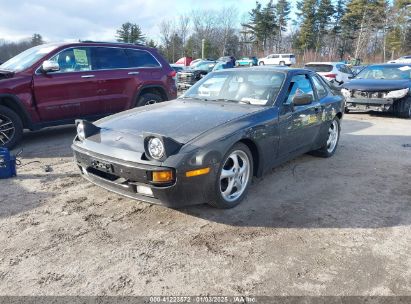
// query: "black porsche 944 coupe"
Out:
[206,146]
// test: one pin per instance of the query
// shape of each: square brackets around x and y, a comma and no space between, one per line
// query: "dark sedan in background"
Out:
[206,146]
[383,87]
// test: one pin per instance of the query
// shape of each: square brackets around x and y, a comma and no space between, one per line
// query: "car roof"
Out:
[97,43]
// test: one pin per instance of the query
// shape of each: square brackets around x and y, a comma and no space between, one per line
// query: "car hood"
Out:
[373,85]
[181,120]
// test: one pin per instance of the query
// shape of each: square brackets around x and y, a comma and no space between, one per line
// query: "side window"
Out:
[73,60]
[321,90]
[141,59]
[300,84]
[348,70]
[110,58]
[276,56]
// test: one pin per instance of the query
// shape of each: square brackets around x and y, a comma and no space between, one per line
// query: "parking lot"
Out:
[337,226]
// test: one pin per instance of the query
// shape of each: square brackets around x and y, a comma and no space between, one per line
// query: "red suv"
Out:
[54,84]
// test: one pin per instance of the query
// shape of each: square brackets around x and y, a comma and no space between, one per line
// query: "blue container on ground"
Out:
[7,164]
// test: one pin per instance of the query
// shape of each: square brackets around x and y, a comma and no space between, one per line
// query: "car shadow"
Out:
[348,190]
[47,143]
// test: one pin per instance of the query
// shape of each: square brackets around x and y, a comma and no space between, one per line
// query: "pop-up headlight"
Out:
[159,147]
[85,129]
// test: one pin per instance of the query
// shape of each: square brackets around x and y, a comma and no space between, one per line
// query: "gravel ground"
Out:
[338,226]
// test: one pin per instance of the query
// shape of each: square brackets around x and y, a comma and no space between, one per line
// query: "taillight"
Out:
[331,75]
[172,74]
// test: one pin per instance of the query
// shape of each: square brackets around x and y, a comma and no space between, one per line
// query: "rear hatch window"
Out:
[319,67]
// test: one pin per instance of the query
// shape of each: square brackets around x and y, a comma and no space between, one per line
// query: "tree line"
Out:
[373,30]
[10,49]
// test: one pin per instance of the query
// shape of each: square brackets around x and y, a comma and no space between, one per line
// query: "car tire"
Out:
[9,119]
[282,63]
[225,200]
[330,143]
[261,63]
[237,64]
[404,108]
[148,98]
[251,64]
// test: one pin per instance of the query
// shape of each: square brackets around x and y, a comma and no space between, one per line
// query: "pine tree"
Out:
[36,39]
[283,8]
[307,14]
[263,24]
[323,17]
[130,33]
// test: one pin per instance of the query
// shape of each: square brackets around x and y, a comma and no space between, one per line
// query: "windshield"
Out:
[255,88]
[27,58]
[385,72]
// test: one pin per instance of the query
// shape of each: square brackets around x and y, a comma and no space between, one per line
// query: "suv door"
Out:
[121,74]
[70,92]
[299,125]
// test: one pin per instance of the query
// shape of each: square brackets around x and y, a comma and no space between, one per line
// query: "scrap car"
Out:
[188,77]
[207,145]
[382,87]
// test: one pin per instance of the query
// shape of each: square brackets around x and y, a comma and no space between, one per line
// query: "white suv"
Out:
[335,72]
[278,59]
[403,59]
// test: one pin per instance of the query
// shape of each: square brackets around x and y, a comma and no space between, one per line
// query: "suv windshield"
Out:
[256,87]
[27,58]
[385,72]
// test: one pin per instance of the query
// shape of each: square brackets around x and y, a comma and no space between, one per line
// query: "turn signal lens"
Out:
[162,176]
[197,172]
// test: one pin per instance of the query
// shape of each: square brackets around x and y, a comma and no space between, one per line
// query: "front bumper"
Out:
[124,177]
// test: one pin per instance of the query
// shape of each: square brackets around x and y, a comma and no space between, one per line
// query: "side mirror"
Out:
[50,66]
[303,99]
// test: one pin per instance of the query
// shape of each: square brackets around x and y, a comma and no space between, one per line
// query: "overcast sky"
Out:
[58,20]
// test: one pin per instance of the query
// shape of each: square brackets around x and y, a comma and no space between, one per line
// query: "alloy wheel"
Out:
[7,129]
[333,134]
[235,175]
[150,102]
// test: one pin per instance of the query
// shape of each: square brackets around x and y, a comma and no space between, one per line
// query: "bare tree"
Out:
[182,31]
[228,19]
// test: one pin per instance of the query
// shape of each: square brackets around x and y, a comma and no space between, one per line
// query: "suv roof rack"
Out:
[91,41]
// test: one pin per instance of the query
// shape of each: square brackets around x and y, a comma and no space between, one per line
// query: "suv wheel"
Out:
[11,128]
[148,99]
[282,63]
[261,63]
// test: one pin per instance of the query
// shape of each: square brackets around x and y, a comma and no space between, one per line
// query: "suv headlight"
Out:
[397,93]
[155,148]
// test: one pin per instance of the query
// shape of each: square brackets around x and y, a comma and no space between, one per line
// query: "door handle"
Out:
[133,73]
[88,76]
